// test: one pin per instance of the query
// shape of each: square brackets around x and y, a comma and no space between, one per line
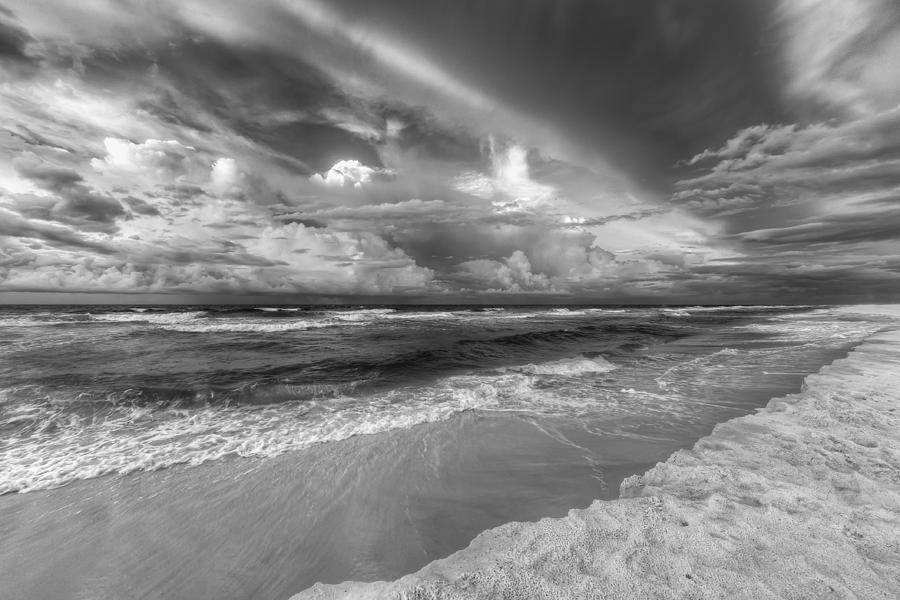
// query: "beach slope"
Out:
[800,500]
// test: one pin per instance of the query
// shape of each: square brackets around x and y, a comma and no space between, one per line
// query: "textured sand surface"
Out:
[801,500]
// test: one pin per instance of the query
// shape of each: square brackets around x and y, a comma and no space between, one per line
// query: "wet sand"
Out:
[801,500]
[369,507]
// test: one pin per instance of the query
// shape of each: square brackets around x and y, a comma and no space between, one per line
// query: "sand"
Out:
[800,500]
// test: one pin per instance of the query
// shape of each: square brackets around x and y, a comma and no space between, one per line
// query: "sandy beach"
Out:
[801,500]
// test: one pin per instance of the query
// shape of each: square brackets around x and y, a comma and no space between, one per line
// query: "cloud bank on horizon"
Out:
[420,150]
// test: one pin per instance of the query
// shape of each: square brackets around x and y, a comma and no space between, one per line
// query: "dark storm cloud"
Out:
[833,229]
[654,79]
[640,84]
[13,39]
[786,176]
[261,93]
[813,209]
[14,226]
[791,279]
[77,203]
[227,253]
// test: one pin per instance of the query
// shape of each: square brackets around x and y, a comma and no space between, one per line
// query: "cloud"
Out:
[15,226]
[853,228]
[164,160]
[566,263]
[513,274]
[14,42]
[225,179]
[509,186]
[842,54]
[802,207]
[72,201]
[347,173]
[288,259]
[795,172]
[414,209]
[339,262]
[141,207]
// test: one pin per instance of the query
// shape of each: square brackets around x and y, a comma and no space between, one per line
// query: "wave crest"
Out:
[579,365]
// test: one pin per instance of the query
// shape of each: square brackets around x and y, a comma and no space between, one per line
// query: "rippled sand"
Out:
[801,500]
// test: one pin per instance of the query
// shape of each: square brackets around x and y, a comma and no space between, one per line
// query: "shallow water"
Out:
[246,476]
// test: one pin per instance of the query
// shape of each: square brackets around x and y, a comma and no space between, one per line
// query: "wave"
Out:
[54,441]
[232,326]
[579,365]
[62,446]
[811,329]
[246,319]
[359,315]
[161,318]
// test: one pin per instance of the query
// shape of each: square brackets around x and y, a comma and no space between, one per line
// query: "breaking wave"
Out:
[54,441]
[579,365]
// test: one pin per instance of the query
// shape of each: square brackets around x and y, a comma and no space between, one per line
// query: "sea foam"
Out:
[60,446]
[579,365]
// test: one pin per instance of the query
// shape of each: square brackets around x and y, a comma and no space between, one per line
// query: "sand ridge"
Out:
[800,500]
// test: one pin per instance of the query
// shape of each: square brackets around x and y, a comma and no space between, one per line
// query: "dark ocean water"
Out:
[253,421]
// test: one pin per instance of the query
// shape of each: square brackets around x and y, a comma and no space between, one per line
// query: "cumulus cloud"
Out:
[288,259]
[568,263]
[165,160]
[347,173]
[513,274]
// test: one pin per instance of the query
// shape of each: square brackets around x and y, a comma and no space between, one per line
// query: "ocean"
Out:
[249,452]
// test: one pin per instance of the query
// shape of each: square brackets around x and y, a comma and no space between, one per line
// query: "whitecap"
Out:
[567,367]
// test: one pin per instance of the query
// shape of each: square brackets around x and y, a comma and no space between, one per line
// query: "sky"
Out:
[485,151]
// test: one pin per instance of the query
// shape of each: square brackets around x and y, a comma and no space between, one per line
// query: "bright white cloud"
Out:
[345,173]
[164,159]
[225,178]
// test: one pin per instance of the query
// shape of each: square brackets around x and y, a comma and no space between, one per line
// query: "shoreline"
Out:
[801,500]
